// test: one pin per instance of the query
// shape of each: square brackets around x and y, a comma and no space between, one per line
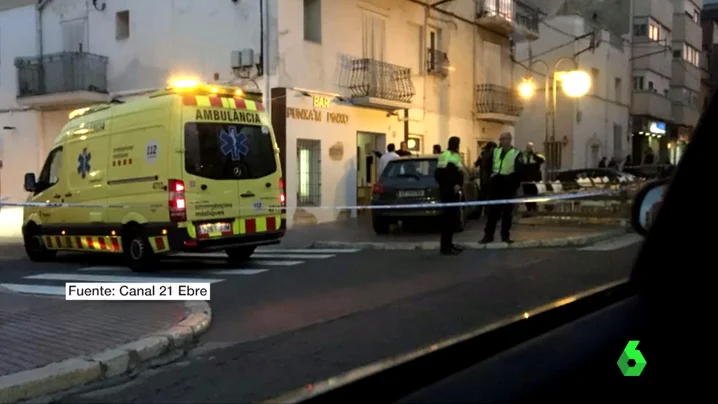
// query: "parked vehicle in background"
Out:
[410,180]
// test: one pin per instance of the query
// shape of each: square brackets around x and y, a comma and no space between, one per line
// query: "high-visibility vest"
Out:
[507,165]
[446,157]
[528,158]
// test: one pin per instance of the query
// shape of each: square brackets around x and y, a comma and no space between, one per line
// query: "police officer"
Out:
[449,174]
[504,182]
[532,173]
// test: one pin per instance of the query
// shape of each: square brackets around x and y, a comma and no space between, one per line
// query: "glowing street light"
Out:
[527,89]
[574,83]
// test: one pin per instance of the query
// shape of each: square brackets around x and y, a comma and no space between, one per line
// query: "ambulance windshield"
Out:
[228,151]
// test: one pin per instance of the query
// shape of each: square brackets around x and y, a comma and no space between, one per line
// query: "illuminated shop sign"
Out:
[657,127]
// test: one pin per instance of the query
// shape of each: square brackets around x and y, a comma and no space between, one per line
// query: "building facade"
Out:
[347,77]
[577,133]
[709,58]
[361,74]
[666,101]
[66,54]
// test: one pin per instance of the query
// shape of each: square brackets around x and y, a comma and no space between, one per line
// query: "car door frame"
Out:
[53,193]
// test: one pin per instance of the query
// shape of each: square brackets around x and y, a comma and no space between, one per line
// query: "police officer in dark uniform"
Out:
[450,176]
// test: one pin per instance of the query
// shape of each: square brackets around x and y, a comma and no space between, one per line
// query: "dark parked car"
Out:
[410,180]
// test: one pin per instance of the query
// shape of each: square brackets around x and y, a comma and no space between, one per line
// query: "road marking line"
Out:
[121,279]
[34,289]
[294,256]
[270,263]
[614,243]
[200,271]
[255,255]
[230,272]
[310,250]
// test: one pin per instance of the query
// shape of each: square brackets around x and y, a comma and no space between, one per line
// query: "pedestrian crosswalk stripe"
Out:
[294,256]
[309,250]
[266,263]
[244,271]
[34,289]
[229,272]
[113,278]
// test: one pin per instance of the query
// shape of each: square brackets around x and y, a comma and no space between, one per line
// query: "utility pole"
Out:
[265,57]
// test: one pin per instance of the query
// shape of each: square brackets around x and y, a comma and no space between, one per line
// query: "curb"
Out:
[79,371]
[573,241]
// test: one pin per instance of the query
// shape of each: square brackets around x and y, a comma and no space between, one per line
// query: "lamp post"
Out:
[575,84]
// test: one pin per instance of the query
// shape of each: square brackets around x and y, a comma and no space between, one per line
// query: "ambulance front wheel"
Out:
[239,254]
[35,248]
[138,253]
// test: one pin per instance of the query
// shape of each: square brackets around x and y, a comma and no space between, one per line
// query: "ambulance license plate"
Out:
[208,228]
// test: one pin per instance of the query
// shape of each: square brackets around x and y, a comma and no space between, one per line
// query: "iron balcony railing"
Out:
[526,16]
[363,77]
[496,99]
[60,73]
[437,62]
[512,11]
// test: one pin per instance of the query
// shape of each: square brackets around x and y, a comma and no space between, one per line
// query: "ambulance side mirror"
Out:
[30,182]
[646,206]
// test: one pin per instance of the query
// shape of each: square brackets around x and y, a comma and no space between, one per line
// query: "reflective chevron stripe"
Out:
[107,243]
[213,101]
[159,244]
[241,226]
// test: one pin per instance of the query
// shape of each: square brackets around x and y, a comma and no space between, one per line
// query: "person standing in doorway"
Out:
[387,157]
[403,150]
[449,174]
[505,181]
[531,163]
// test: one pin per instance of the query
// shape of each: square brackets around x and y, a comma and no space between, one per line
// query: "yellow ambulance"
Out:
[191,168]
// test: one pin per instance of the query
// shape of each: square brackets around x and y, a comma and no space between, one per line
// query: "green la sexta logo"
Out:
[631,353]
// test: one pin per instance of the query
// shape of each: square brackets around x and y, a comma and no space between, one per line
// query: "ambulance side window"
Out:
[50,174]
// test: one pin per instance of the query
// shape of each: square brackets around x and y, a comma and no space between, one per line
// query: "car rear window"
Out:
[228,152]
[414,167]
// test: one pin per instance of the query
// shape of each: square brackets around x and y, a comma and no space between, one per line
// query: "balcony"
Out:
[687,30]
[647,55]
[686,115]
[649,103]
[685,75]
[509,17]
[61,80]
[437,63]
[497,103]
[375,84]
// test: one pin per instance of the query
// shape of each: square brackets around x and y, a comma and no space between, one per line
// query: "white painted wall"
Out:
[588,121]
[441,107]
[190,37]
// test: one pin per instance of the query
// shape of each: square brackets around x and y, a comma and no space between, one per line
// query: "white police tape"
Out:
[425,205]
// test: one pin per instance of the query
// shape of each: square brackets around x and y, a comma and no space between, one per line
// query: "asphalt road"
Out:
[291,325]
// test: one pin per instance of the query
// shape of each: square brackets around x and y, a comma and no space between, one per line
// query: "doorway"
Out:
[370,146]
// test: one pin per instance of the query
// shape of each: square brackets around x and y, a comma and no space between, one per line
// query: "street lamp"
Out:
[574,83]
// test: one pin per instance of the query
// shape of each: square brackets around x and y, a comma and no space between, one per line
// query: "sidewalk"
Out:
[358,233]
[50,344]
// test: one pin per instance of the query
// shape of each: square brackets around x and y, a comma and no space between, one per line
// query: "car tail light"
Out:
[282,194]
[177,201]
[377,188]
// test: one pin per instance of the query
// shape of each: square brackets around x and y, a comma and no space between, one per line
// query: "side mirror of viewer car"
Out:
[646,206]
